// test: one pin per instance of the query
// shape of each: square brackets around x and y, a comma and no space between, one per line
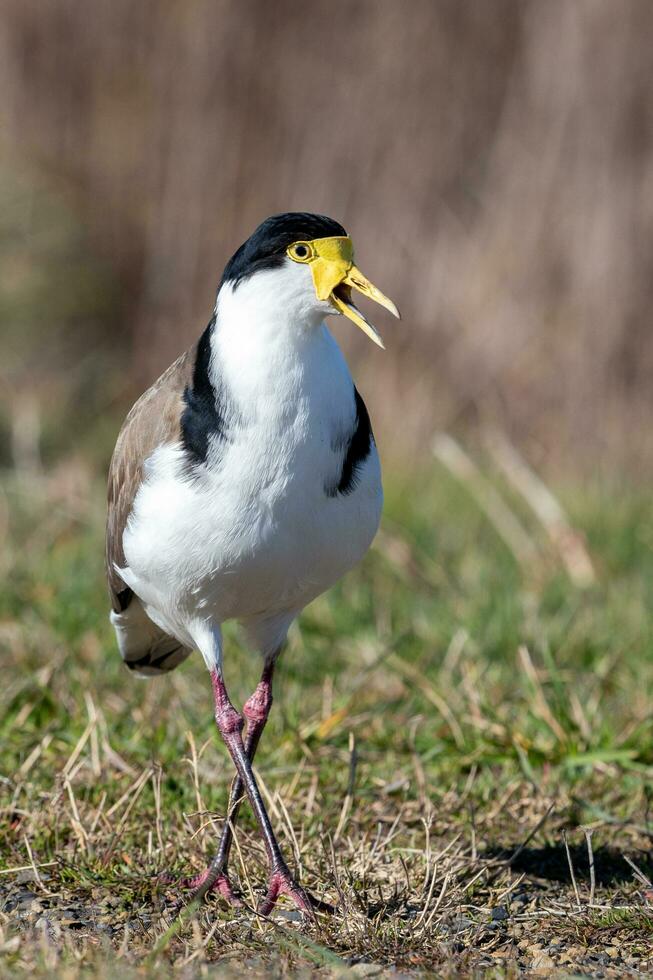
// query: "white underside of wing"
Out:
[145,648]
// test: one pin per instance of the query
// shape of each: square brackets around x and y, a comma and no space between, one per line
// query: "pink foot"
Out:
[221,885]
[281,882]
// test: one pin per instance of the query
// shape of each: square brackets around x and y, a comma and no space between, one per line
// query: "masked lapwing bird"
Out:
[244,483]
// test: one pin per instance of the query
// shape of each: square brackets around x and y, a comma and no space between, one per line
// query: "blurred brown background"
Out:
[491,159]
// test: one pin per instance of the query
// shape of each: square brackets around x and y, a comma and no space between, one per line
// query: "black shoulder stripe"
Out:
[205,412]
[358,449]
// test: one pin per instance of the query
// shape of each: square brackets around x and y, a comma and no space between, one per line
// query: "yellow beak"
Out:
[331,261]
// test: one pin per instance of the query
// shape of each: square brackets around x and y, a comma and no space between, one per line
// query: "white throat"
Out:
[273,300]
[270,337]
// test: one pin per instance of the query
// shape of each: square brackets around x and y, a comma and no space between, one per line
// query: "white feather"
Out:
[253,536]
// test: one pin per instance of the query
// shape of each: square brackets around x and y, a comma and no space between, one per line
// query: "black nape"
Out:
[266,247]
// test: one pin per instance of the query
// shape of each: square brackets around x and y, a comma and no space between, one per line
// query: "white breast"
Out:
[253,535]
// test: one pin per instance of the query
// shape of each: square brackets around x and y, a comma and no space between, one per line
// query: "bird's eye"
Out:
[300,252]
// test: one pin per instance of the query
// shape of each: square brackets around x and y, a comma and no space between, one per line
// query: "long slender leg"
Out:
[230,725]
[256,710]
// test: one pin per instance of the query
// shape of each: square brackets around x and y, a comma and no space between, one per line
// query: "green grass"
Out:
[474,698]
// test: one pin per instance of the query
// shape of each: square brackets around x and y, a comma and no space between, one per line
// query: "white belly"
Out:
[256,540]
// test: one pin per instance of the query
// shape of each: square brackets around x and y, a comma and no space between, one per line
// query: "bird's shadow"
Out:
[550,863]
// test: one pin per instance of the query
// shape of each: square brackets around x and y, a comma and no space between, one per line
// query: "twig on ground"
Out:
[529,837]
[639,874]
[590,858]
[571,871]
[28,867]
[34,868]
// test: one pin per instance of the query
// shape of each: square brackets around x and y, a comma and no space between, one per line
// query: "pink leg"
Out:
[230,725]
[256,710]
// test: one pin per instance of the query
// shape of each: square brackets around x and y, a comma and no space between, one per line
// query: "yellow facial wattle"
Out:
[331,261]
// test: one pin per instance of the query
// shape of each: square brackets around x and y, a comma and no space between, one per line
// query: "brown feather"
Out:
[153,421]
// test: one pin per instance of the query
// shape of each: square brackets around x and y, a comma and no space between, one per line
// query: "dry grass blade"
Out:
[28,867]
[417,676]
[81,742]
[590,858]
[134,793]
[349,794]
[77,825]
[291,834]
[531,834]
[129,792]
[571,870]
[639,874]
[488,498]
[541,705]
[34,867]
[35,754]
[567,541]
[193,763]
[157,776]
[443,891]
[427,903]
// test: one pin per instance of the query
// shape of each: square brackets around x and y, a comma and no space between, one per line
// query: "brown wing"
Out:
[152,422]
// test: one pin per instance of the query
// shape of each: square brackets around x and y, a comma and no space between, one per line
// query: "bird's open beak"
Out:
[334,277]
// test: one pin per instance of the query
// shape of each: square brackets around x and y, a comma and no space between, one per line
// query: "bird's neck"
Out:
[267,351]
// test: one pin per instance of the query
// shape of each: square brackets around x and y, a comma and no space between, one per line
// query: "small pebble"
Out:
[500,913]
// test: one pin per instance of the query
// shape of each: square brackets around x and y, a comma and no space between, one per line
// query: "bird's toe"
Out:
[280,883]
[200,885]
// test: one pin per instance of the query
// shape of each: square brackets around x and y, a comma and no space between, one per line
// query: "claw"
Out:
[221,885]
[281,882]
